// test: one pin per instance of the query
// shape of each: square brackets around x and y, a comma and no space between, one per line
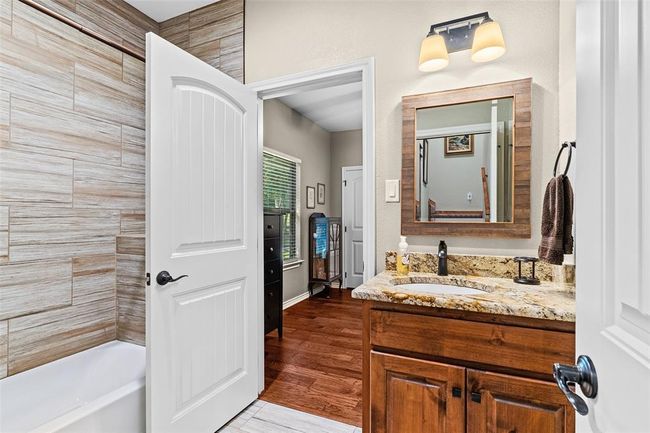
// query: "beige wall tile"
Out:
[43,129]
[4,117]
[233,65]
[130,245]
[102,186]
[4,231]
[130,276]
[93,278]
[232,44]
[3,349]
[28,178]
[64,7]
[213,33]
[31,72]
[133,71]
[117,18]
[209,52]
[176,30]
[133,147]
[132,223]
[131,320]
[217,30]
[41,233]
[215,12]
[32,287]
[101,95]
[78,103]
[63,41]
[39,338]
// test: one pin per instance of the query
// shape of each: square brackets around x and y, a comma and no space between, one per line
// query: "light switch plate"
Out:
[392,190]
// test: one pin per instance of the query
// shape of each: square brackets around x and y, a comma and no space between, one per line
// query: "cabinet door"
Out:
[414,396]
[498,403]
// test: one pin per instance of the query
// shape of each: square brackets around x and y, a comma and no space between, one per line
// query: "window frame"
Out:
[297,260]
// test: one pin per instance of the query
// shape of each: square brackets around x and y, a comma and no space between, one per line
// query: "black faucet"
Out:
[442,258]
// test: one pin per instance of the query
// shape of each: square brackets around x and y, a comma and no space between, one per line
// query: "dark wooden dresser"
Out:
[272,272]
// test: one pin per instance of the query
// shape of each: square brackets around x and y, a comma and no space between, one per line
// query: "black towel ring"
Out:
[566,144]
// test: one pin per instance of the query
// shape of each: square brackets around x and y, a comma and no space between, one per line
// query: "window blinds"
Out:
[280,189]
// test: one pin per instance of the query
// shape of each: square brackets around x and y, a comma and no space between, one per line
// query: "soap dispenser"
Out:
[403,266]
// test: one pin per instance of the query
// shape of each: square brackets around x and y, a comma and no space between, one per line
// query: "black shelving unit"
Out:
[325,255]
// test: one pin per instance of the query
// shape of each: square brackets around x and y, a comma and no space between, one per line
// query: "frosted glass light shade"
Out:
[433,54]
[488,42]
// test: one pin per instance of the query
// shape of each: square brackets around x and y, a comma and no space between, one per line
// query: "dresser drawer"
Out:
[272,249]
[272,306]
[515,347]
[273,293]
[272,271]
[271,226]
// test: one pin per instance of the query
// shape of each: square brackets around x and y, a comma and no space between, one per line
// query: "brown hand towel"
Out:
[557,221]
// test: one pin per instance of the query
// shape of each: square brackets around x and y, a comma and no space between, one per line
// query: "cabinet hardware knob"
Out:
[476,397]
[456,392]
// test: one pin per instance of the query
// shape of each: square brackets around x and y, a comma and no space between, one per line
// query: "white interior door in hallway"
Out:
[613,211]
[202,223]
[352,213]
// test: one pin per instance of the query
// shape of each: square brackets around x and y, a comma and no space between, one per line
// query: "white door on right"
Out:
[613,211]
[352,213]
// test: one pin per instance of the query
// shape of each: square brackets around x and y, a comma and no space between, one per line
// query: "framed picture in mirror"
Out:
[462,144]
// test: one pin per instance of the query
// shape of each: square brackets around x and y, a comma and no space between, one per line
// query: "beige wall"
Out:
[289,132]
[288,37]
[347,150]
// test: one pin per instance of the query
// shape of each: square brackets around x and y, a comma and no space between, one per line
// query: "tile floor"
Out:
[263,417]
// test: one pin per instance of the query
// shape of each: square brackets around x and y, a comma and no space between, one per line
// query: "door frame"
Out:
[361,70]
[343,170]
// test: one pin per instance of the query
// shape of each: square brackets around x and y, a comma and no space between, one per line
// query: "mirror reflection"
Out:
[464,162]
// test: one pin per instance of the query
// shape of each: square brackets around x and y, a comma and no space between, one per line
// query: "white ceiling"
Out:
[332,108]
[161,10]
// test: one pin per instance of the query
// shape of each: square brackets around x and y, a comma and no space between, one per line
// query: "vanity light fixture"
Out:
[476,32]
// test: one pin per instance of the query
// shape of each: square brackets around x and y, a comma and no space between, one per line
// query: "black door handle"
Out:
[163,278]
[582,374]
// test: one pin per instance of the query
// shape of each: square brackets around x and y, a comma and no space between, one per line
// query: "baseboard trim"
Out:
[293,301]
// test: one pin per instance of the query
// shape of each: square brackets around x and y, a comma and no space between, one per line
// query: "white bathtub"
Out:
[99,390]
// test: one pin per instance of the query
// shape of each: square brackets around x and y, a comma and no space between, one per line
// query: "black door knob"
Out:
[163,278]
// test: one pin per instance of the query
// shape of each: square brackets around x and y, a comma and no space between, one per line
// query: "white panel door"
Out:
[352,214]
[613,211]
[202,356]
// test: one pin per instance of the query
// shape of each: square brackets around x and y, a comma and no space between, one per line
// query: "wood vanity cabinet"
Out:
[447,371]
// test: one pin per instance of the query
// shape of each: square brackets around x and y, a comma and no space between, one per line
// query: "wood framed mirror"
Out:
[466,159]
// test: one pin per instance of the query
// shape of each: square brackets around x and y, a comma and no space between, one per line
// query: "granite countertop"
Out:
[549,300]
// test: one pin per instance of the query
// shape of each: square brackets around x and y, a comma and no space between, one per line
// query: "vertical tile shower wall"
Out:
[72,173]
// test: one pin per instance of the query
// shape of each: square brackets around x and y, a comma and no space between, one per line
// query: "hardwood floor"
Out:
[316,367]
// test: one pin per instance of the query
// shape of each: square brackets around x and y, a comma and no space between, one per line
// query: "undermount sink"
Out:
[439,289]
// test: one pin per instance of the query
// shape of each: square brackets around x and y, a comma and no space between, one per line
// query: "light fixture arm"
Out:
[477,32]
[459,32]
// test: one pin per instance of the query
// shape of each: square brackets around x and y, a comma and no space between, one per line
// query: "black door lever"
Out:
[163,278]
[583,374]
